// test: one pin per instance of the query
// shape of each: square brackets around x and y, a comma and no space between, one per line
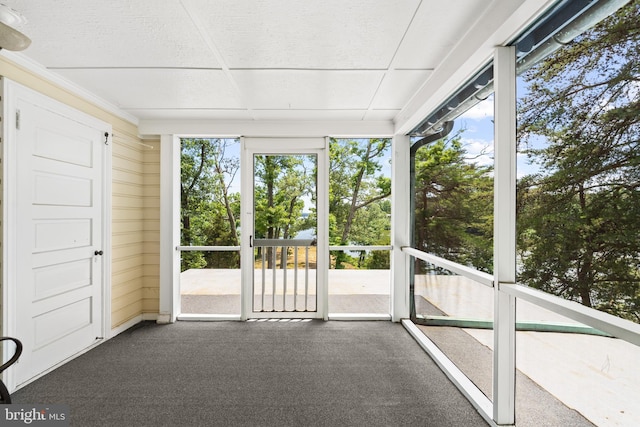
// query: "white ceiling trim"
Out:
[267,128]
[37,69]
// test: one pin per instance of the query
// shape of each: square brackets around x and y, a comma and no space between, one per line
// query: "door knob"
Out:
[98,253]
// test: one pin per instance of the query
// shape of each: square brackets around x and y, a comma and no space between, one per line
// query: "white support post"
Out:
[504,236]
[400,227]
[169,229]
[322,260]
[246,221]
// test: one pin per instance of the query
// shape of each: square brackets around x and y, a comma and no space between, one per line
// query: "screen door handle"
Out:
[250,241]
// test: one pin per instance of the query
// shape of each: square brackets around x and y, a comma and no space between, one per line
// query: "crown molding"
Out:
[40,70]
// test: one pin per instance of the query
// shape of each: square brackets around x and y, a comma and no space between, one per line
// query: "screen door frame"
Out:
[251,146]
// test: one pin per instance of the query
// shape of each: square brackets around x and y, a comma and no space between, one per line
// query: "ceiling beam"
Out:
[267,128]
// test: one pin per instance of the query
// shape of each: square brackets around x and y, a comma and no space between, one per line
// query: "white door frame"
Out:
[11,92]
[319,147]
[169,298]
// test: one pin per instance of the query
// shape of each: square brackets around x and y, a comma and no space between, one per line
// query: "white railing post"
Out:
[504,253]
[400,227]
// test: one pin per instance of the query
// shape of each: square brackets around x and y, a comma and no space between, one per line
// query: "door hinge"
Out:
[18,119]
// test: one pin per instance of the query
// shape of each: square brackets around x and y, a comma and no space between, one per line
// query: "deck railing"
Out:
[615,326]
[284,245]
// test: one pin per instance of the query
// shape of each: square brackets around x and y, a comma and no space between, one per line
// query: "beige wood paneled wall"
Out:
[151,230]
[135,202]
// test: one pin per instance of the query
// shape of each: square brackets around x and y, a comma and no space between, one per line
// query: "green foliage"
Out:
[359,199]
[208,209]
[281,184]
[453,205]
[578,218]
[378,260]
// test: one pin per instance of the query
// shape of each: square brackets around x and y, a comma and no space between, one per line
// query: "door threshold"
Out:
[208,317]
[359,316]
[236,317]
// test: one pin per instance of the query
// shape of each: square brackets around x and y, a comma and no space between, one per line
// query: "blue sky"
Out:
[476,127]
[478,137]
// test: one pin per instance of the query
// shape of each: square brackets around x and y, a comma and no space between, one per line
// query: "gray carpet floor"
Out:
[256,374]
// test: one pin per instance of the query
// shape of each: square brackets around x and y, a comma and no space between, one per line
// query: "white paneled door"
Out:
[59,252]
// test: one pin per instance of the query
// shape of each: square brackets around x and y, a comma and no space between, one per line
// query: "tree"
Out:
[196,181]
[281,184]
[580,123]
[372,227]
[225,169]
[208,208]
[356,187]
[453,205]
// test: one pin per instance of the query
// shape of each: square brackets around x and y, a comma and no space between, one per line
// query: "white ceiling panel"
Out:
[380,114]
[330,34]
[158,88]
[397,87]
[436,29]
[276,60]
[113,33]
[308,115]
[308,90]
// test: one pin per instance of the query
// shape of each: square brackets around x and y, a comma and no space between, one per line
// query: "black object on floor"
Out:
[5,397]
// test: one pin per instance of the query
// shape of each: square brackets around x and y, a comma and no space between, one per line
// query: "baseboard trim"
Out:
[126,325]
[150,316]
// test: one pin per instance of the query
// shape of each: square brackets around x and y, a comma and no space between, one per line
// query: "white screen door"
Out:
[58,219]
[284,205]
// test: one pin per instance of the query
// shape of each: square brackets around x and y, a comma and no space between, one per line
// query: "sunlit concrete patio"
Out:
[217,291]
